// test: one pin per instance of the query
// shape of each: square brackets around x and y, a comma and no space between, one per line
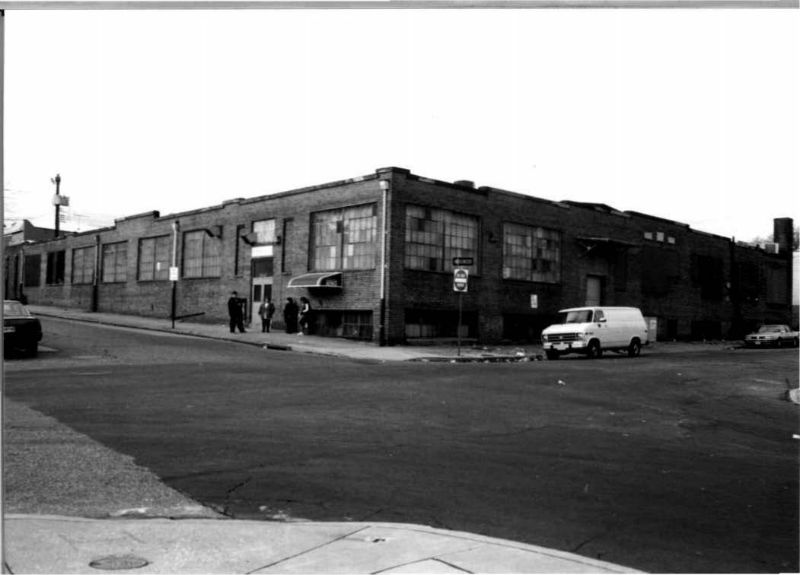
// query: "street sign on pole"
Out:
[458,262]
[460,280]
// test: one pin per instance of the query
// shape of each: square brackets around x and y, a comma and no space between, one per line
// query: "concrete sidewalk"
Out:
[53,544]
[302,343]
[354,349]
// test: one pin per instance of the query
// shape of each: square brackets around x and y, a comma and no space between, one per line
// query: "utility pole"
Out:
[57,201]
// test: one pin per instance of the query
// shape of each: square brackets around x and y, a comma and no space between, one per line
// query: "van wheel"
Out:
[551,354]
[594,350]
[635,348]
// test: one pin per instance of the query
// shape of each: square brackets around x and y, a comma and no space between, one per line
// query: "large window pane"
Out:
[531,253]
[434,237]
[344,238]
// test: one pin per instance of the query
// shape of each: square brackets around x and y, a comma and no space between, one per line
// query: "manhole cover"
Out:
[119,562]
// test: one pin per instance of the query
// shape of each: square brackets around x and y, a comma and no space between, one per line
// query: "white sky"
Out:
[690,115]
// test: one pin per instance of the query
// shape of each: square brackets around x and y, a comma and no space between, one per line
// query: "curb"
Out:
[481,359]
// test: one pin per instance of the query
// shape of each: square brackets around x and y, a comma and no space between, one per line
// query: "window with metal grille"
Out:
[115,262]
[55,268]
[531,253]
[434,237]
[344,238]
[154,258]
[201,257]
[83,265]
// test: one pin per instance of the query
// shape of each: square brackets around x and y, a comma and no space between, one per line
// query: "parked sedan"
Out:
[772,335]
[21,330]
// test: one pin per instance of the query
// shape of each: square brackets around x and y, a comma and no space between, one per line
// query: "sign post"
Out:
[460,285]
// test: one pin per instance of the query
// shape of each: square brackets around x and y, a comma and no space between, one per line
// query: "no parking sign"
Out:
[460,280]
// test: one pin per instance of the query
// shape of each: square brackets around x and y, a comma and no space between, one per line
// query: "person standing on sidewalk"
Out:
[235,313]
[265,311]
[290,315]
[304,316]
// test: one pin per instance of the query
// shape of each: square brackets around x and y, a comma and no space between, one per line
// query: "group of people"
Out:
[296,318]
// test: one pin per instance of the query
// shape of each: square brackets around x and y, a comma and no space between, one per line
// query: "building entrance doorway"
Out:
[594,290]
[261,284]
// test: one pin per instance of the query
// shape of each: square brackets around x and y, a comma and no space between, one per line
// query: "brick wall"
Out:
[632,254]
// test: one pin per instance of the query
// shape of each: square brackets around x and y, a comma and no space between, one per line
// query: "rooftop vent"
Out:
[465,183]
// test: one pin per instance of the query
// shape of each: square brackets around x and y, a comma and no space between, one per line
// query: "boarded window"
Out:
[115,262]
[154,258]
[201,255]
[83,265]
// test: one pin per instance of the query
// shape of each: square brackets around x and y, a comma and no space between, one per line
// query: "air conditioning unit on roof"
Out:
[770,247]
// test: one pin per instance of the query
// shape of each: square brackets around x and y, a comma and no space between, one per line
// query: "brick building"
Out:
[394,283]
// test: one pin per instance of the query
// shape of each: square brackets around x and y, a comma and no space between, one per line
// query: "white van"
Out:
[592,330]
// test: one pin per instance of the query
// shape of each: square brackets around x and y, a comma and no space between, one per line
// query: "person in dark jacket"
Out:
[235,313]
[290,315]
[265,312]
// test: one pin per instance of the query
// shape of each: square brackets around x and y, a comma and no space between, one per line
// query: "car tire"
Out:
[635,348]
[594,351]
[551,354]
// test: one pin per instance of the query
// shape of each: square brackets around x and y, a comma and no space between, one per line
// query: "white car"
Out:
[769,335]
[591,330]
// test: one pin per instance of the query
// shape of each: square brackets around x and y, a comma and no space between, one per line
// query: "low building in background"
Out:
[376,255]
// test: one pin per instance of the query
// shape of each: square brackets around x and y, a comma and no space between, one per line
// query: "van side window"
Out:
[599,316]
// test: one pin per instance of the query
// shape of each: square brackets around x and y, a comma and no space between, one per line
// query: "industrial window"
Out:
[264,231]
[115,262]
[434,237]
[154,258]
[33,270]
[531,253]
[83,265]
[344,239]
[55,268]
[201,255]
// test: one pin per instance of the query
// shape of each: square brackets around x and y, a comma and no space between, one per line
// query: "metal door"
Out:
[594,290]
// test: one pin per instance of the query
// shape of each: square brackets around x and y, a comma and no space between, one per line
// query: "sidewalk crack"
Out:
[306,551]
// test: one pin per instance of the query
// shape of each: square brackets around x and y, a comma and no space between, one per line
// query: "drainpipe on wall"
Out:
[175,229]
[96,279]
[384,184]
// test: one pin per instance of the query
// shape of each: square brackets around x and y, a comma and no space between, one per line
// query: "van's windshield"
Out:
[578,316]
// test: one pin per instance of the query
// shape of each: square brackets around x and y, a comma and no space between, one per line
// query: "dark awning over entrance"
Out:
[598,241]
[602,246]
[325,280]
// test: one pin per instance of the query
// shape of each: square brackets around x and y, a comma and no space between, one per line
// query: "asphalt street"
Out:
[664,463]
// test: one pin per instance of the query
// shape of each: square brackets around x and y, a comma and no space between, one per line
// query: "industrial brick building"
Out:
[393,283]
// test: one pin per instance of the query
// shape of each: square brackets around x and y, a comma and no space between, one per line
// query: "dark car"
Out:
[21,330]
